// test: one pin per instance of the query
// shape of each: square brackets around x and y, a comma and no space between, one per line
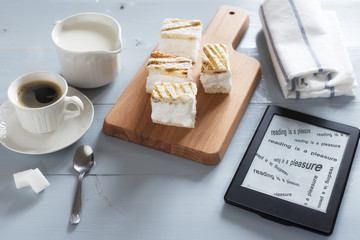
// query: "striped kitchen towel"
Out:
[307,49]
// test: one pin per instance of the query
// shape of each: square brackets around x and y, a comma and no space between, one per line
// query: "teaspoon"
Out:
[83,162]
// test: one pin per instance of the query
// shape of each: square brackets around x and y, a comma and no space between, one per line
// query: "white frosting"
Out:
[180,47]
[216,83]
[179,114]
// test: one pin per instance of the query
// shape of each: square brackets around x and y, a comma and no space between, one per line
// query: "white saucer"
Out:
[17,139]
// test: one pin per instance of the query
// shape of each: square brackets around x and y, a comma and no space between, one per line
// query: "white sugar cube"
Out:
[38,181]
[33,178]
[21,179]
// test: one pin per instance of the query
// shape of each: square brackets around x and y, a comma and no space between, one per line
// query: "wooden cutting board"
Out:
[218,115]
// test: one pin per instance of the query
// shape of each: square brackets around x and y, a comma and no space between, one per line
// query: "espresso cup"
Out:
[41,102]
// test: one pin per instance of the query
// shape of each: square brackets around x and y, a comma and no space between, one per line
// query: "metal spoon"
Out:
[83,161]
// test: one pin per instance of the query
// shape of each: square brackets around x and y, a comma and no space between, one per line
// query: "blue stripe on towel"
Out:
[332,89]
[293,84]
[327,83]
[297,94]
[273,46]
[303,33]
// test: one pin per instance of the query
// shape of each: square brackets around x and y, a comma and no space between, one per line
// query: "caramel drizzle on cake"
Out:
[178,23]
[169,64]
[215,59]
[181,29]
[174,92]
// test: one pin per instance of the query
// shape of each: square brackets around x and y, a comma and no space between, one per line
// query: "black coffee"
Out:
[38,93]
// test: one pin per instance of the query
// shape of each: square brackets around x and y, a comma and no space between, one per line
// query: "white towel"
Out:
[307,49]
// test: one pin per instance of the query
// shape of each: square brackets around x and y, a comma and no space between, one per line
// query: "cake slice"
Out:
[215,73]
[174,104]
[181,37]
[167,68]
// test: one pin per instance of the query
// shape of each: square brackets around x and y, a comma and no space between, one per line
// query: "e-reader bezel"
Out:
[285,211]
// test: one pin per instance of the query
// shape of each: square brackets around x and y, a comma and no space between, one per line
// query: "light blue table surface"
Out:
[134,192]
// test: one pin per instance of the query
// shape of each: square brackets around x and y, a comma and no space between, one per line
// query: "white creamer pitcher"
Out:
[88,45]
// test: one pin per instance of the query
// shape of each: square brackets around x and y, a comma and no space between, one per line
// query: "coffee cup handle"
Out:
[74,100]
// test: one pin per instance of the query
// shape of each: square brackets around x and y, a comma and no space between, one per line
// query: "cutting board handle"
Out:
[228,26]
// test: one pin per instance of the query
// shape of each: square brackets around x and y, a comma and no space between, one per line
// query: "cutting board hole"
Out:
[231,12]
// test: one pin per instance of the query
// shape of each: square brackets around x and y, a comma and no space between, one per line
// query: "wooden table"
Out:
[135,192]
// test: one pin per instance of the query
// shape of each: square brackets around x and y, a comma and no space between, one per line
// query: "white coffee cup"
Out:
[88,45]
[45,117]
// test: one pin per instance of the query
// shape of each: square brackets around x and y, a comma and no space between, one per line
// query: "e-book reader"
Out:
[295,169]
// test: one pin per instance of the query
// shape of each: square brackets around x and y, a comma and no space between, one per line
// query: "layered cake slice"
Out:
[215,73]
[181,37]
[167,68]
[174,104]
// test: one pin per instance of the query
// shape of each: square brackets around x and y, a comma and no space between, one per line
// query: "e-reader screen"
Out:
[297,162]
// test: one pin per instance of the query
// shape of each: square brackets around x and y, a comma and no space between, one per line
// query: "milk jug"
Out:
[88,45]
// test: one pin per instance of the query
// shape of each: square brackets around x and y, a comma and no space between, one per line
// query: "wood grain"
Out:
[217,114]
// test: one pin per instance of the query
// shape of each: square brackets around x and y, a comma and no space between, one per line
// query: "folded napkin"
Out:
[307,49]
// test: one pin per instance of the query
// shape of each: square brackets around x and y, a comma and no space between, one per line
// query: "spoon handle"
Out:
[76,208]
